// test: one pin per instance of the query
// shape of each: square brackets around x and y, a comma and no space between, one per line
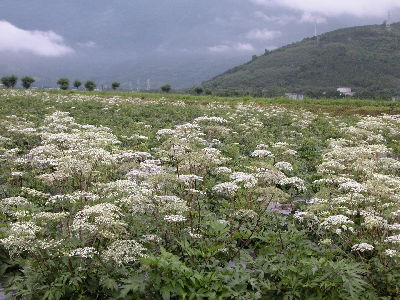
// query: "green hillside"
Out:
[366,58]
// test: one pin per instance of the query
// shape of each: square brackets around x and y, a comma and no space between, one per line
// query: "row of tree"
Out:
[11,81]
[197,89]
[27,81]
[64,84]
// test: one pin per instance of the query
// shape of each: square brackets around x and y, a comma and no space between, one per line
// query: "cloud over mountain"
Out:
[263,34]
[231,48]
[359,8]
[42,43]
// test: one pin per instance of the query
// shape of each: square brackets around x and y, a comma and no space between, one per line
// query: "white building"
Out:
[294,96]
[1,86]
[345,91]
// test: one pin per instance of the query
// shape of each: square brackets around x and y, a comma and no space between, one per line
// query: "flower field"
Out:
[120,197]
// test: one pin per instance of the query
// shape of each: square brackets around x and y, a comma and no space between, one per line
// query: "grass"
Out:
[335,106]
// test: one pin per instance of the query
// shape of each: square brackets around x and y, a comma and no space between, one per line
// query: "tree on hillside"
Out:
[77,84]
[166,88]
[27,81]
[90,85]
[9,81]
[63,83]
[198,90]
[115,85]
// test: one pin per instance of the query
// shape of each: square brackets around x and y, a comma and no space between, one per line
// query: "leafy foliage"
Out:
[90,85]
[9,81]
[115,85]
[63,83]
[77,84]
[166,88]
[27,81]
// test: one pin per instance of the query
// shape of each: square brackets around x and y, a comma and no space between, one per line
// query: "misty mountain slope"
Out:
[358,57]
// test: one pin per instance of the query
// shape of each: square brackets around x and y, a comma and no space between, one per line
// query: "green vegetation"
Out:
[9,81]
[63,83]
[27,81]
[90,85]
[121,195]
[77,84]
[166,88]
[198,90]
[115,85]
[365,58]
[342,106]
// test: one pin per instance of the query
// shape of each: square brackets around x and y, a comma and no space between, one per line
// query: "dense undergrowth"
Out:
[131,198]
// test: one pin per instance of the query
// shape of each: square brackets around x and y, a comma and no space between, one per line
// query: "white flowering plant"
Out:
[121,197]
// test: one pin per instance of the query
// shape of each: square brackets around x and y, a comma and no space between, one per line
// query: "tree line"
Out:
[64,83]
[197,89]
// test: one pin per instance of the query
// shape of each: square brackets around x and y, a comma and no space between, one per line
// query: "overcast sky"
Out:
[108,32]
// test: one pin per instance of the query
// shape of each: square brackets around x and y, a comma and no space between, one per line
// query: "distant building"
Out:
[1,86]
[294,96]
[345,91]
[396,98]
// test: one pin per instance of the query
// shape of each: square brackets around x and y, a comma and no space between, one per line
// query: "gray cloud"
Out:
[43,43]
[359,8]
[280,19]
[310,18]
[263,34]
[88,44]
[241,47]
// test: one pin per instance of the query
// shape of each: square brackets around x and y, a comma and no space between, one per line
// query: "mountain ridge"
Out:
[365,58]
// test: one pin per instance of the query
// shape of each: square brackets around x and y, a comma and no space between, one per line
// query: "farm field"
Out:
[146,196]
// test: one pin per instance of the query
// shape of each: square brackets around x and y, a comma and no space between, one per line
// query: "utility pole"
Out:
[138,85]
[388,27]
[316,32]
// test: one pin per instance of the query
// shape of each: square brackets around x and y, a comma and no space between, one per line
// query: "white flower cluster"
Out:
[189,179]
[394,239]
[362,247]
[284,166]
[223,170]
[34,193]
[13,202]
[226,188]
[174,218]
[102,219]
[85,252]
[352,187]
[261,153]
[391,253]
[270,176]
[210,119]
[151,238]
[248,180]
[171,205]
[124,252]
[21,238]
[296,182]
[338,223]
[373,221]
